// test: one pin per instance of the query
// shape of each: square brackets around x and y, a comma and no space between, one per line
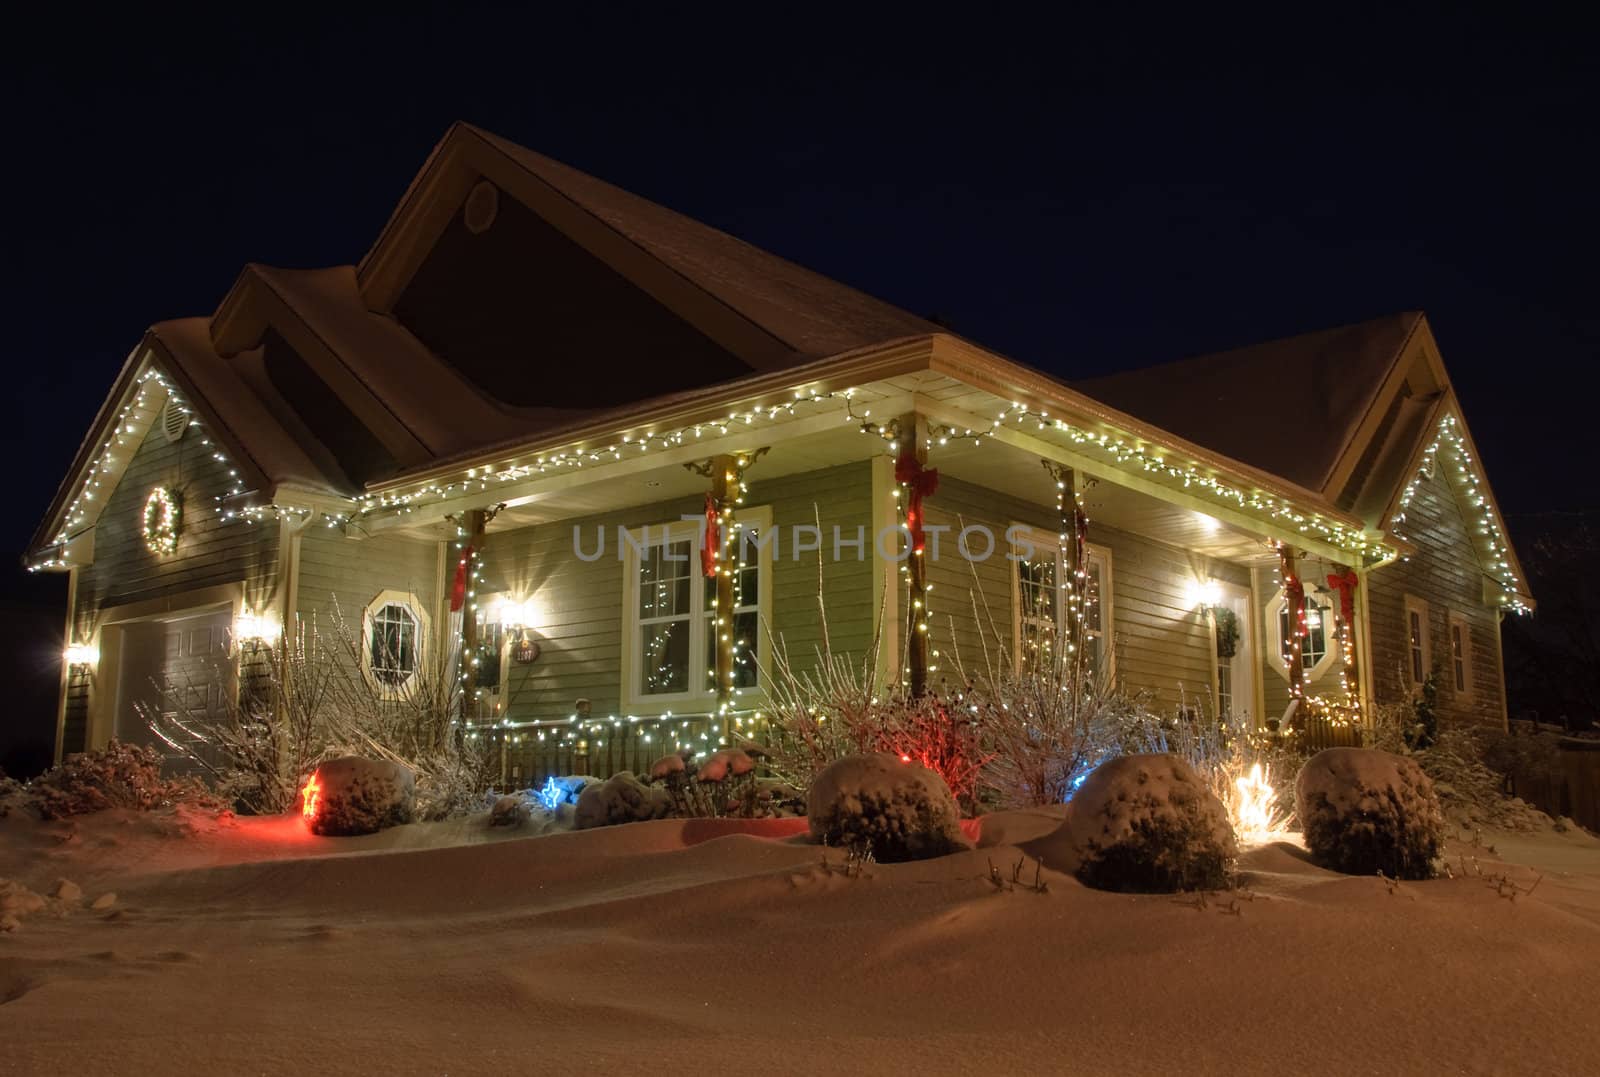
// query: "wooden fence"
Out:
[1576,792]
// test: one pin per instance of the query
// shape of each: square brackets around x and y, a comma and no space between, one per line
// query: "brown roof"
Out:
[812,314]
[1288,406]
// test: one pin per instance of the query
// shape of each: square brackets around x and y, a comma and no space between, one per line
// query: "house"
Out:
[516,422]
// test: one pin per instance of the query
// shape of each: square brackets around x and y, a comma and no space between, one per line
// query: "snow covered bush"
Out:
[352,795]
[1147,823]
[621,798]
[307,697]
[120,775]
[1364,811]
[899,810]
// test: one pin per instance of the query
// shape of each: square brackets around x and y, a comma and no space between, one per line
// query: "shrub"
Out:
[897,810]
[621,798]
[1147,823]
[1365,811]
[119,775]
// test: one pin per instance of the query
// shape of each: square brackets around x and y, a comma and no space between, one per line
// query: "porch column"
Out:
[724,493]
[911,472]
[1294,597]
[1070,536]
[474,523]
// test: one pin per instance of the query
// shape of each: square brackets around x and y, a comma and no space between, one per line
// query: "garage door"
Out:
[179,668]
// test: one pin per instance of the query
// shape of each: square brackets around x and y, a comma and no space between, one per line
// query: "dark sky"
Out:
[1082,197]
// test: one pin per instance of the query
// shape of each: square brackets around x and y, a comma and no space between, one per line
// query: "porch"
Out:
[593,625]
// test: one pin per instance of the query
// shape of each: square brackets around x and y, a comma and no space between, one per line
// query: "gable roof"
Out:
[808,315]
[1290,406]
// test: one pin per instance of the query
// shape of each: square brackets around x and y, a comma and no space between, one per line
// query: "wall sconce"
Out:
[252,629]
[522,616]
[82,654]
[1205,594]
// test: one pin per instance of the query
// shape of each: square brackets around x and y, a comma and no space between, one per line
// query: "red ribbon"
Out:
[920,482]
[1344,581]
[713,539]
[458,592]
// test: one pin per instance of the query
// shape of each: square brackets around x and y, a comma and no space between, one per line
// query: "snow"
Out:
[252,945]
[1145,822]
[1365,811]
[621,798]
[903,809]
[729,762]
[352,795]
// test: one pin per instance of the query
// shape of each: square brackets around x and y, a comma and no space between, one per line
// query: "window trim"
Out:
[1273,614]
[1423,646]
[419,612]
[1041,539]
[1454,621]
[635,701]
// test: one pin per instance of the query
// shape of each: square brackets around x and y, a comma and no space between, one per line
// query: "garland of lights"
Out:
[1450,440]
[1118,449]
[163,521]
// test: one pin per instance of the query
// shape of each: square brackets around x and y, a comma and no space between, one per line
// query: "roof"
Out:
[812,314]
[1288,406]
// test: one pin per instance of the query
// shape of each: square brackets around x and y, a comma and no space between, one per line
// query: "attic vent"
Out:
[174,421]
[482,206]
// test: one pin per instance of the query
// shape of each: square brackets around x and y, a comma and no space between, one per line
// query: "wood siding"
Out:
[1162,645]
[1445,572]
[338,572]
[581,602]
[210,551]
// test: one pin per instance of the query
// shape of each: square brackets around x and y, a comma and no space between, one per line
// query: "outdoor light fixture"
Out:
[251,629]
[522,615]
[1203,593]
[82,654]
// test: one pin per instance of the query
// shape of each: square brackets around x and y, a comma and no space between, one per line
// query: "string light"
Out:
[1450,441]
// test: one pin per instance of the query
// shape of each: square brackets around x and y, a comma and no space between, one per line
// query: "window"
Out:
[670,610]
[1317,651]
[1460,652]
[1040,596]
[1419,657]
[395,632]
[1314,644]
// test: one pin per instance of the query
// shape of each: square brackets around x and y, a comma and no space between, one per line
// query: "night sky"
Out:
[1082,197]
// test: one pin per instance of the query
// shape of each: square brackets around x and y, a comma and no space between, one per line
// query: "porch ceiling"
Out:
[1021,474]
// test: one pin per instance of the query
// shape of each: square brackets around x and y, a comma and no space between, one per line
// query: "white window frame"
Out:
[1460,663]
[419,613]
[634,699]
[1418,645]
[1274,627]
[1043,541]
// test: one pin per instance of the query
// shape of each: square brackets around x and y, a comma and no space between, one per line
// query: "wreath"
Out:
[163,520]
[1227,632]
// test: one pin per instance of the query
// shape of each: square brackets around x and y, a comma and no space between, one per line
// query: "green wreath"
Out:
[1227,632]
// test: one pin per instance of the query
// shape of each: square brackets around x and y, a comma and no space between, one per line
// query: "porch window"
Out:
[1041,597]
[670,655]
[395,631]
[1313,645]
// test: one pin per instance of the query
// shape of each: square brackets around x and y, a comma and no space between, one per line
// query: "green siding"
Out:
[1161,646]
[211,551]
[1446,573]
[337,571]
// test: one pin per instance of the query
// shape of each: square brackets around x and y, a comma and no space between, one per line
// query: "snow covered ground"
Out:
[251,946]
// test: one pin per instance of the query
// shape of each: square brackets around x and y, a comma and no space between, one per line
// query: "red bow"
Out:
[458,592]
[713,539]
[1344,581]
[921,482]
